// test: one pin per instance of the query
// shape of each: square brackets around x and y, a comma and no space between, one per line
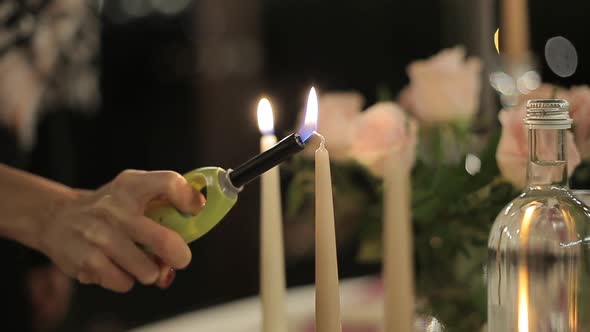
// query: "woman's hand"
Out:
[94,237]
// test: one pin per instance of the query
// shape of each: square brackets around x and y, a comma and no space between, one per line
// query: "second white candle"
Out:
[272,259]
[327,298]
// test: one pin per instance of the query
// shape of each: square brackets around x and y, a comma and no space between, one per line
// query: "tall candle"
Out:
[515,30]
[486,16]
[327,297]
[398,246]
[272,261]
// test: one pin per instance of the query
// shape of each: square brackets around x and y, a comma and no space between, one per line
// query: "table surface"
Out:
[361,303]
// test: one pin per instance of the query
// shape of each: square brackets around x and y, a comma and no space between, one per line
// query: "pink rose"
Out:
[379,130]
[444,88]
[337,112]
[406,99]
[512,154]
[579,99]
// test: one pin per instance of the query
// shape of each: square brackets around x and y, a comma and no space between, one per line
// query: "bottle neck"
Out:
[547,158]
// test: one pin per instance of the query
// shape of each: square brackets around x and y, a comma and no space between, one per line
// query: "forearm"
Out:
[26,203]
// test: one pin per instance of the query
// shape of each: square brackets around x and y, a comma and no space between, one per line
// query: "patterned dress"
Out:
[48,59]
[48,51]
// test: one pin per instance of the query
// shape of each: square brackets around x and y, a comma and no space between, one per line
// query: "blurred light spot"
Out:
[472,164]
[521,86]
[170,7]
[503,83]
[528,82]
[497,40]
[532,80]
[509,100]
[561,56]
[136,8]
[434,326]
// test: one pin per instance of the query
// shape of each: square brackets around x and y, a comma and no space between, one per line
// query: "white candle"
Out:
[515,30]
[272,260]
[398,246]
[327,297]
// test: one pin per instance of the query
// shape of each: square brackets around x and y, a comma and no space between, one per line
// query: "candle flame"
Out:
[497,40]
[311,116]
[523,273]
[523,298]
[265,117]
[572,282]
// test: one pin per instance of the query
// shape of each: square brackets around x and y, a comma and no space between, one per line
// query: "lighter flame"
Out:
[311,115]
[523,273]
[497,40]
[265,117]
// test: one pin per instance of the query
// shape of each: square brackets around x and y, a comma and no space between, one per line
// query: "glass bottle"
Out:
[538,268]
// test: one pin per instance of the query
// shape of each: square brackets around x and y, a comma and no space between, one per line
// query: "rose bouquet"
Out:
[461,177]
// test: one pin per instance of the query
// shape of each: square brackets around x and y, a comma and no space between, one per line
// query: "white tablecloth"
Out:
[360,302]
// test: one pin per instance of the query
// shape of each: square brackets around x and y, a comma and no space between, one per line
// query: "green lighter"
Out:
[221,188]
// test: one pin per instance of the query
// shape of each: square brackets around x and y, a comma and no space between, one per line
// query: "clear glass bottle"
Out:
[538,268]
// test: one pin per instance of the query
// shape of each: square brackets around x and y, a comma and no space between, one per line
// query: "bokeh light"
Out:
[528,82]
[472,164]
[561,56]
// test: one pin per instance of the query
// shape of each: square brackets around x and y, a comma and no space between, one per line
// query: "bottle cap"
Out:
[548,114]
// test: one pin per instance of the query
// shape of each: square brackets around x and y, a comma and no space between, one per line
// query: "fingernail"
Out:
[199,204]
[168,279]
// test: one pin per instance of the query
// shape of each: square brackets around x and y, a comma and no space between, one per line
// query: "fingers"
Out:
[96,268]
[122,251]
[167,276]
[107,224]
[163,242]
[145,186]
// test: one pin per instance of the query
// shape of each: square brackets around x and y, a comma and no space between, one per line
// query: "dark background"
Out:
[164,108]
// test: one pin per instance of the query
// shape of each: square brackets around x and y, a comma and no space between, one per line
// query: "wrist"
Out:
[32,228]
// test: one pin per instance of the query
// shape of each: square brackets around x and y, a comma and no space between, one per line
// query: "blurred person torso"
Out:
[47,59]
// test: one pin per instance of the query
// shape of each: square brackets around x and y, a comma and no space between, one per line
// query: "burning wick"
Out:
[322,138]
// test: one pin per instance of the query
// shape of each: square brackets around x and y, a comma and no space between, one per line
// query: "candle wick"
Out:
[323,139]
